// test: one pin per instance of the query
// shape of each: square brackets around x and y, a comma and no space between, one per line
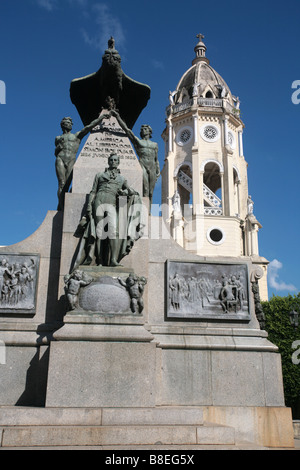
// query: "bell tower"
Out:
[204,179]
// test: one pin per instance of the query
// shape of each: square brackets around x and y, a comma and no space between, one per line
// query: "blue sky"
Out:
[253,45]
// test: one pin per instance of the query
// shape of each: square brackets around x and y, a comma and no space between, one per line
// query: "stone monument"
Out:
[122,328]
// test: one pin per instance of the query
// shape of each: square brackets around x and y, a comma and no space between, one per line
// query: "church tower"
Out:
[204,179]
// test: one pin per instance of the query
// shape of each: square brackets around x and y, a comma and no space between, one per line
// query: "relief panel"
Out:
[18,283]
[207,291]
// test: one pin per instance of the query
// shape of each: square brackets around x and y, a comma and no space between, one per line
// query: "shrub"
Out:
[283,334]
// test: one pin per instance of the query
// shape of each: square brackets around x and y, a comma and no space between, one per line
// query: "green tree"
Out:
[283,335]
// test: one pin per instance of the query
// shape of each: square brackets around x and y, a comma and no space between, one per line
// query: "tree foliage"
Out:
[283,334]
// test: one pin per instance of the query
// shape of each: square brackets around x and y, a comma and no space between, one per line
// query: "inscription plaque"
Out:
[107,139]
[207,291]
[18,283]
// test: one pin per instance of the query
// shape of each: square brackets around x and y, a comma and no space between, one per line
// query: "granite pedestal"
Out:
[208,354]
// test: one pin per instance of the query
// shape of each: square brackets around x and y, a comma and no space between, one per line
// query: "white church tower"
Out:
[204,178]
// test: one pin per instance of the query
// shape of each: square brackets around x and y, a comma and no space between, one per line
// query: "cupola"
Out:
[200,50]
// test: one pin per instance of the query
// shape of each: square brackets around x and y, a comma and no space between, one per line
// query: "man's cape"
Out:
[132,230]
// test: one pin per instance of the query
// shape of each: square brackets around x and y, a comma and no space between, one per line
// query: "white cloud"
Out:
[273,275]
[101,19]
[108,25]
[49,5]
[157,64]
[80,3]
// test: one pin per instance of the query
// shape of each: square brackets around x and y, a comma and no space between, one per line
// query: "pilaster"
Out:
[197,182]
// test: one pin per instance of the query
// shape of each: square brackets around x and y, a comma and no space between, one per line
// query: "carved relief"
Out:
[256,274]
[135,287]
[91,290]
[208,290]
[73,283]
[18,280]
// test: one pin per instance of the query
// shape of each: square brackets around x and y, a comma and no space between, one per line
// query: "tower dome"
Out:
[201,80]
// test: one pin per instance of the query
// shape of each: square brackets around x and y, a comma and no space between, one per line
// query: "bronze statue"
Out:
[73,283]
[147,152]
[111,245]
[66,148]
[89,94]
[135,286]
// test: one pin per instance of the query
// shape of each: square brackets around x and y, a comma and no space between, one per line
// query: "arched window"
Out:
[236,182]
[209,95]
[185,185]
[212,178]
[212,189]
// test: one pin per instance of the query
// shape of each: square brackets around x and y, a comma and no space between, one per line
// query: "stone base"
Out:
[113,360]
[217,366]
[143,428]
[269,426]
[110,361]
[95,374]
[89,326]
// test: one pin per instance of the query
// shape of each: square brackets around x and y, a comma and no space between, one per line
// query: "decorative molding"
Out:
[211,160]
[184,163]
[215,211]
[209,118]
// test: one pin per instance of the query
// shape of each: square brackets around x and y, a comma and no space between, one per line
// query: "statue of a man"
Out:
[148,155]
[103,212]
[66,148]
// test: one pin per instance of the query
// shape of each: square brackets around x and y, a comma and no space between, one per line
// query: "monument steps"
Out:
[113,429]
[39,436]
[110,428]
[155,448]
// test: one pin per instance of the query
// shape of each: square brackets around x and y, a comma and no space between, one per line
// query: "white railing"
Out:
[213,211]
[216,103]
[185,181]
[215,203]
[182,106]
[211,198]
